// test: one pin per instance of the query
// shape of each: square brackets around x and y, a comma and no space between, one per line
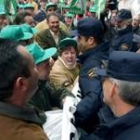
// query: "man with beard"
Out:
[123,38]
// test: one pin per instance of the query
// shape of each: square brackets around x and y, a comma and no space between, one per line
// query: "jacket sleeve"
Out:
[57,94]
[41,40]
[88,107]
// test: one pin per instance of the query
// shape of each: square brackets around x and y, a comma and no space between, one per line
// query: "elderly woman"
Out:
[65,69]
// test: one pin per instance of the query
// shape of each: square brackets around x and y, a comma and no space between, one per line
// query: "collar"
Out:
[127,30]
[123,122]
[103,47]
[28,114]
[54,35]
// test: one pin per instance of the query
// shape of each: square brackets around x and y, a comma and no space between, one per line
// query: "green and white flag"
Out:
[77,6]
[10,6]
[101,6]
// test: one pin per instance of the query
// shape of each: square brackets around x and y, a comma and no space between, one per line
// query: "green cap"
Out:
[40,55]
[14,32]
[69,15]
[2,10]
[67,42]
[28,5]
[93,9]
[21,6]
[66,6]
[27,28]
[50,4]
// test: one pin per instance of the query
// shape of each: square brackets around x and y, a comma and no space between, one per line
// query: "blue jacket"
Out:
[123,40]
[126,127]
[90,86]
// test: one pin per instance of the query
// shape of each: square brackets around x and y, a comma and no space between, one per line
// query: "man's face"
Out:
[69,56]
[42,4]
[29,20]
[44,69]
[82,44]
[3,21]
[32,81]
[121,25]
[53,23]
[51,9]
[135,23]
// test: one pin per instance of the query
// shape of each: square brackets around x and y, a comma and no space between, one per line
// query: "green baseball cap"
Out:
[93,9]
[21,6]
[14,32]
[50,4]
[40,55]
[27,28]
[67,42]
[28,5]
[69,15]
[66,6]
[2,10]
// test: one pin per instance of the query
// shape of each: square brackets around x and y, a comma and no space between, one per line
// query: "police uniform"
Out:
[125,127]
[89,81]
[123,39]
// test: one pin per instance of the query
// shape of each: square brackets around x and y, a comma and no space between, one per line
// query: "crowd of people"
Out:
[45,50]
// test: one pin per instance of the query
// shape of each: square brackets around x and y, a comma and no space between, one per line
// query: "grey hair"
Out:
[128,91]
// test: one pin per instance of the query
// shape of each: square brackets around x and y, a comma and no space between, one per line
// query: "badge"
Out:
[92,73]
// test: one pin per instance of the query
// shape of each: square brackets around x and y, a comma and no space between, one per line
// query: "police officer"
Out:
[123,38]
[94,52]
[121,92]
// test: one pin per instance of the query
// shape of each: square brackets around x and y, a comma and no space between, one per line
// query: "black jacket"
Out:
[90,86]
[125,127]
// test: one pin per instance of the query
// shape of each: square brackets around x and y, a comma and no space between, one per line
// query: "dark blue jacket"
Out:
[123,40]
[40,16]
[126,127]
[90,86]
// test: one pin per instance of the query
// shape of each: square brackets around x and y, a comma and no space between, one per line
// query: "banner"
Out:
[77,6]
[10,6]
[101,4]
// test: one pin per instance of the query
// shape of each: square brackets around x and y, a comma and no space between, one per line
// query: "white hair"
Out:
[128,91]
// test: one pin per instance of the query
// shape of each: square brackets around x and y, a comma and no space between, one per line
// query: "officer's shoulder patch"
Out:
[124,47]
[92,73]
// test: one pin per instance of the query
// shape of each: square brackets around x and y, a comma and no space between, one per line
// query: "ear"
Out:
[113,89]
[91,40]
[21,84]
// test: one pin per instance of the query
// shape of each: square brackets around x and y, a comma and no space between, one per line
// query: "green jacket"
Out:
[47,96]
[45,39]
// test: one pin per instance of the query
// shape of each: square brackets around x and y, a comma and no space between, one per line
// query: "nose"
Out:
[69,55]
